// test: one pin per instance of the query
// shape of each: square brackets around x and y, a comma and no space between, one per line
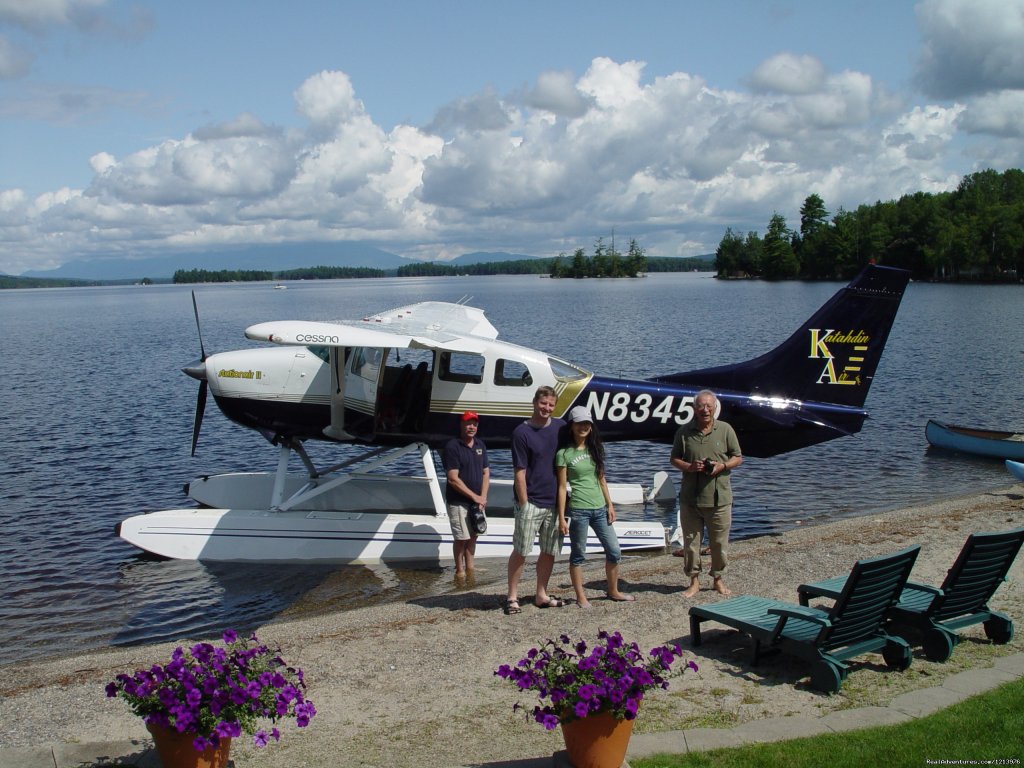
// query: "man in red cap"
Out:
[468,476]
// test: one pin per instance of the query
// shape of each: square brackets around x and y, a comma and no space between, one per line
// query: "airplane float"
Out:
[400,380]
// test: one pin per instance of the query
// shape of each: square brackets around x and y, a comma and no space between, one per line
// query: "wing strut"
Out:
[336,430]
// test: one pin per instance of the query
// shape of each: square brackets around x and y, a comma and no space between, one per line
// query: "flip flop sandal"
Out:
[554,602]
[623,599]
[512,606]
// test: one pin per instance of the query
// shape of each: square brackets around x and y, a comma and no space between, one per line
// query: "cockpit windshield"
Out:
[566,372]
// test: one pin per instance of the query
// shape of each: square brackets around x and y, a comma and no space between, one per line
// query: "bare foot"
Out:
[720,588]
[693,589]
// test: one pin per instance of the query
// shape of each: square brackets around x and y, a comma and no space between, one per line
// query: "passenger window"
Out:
[463,367]
[512,373]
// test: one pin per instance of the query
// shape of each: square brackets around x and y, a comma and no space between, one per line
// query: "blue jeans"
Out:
[583,519]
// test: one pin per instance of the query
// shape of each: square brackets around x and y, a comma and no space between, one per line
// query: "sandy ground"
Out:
[412,683]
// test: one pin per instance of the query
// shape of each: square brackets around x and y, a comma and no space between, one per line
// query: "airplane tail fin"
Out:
[831,358]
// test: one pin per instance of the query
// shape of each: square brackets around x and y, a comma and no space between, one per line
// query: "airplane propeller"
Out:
[197,370]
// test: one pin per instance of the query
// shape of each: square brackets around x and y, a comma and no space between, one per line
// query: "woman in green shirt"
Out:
[579,463]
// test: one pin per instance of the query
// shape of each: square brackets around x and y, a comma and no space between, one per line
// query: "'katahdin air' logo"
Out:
[857,342]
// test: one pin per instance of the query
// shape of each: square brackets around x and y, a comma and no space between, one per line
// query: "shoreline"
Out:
[384,675]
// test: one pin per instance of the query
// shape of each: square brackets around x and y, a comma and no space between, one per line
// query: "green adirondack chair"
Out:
[961,601]
[826,639]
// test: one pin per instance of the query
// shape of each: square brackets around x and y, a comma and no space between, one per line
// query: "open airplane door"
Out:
[338,360]
[403,397]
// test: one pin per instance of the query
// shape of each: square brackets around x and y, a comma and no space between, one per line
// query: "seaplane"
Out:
[397,382]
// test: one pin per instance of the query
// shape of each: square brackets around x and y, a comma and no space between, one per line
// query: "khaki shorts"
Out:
[458,516]
[531,520]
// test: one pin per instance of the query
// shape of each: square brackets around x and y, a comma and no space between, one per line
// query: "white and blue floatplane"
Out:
[397,383]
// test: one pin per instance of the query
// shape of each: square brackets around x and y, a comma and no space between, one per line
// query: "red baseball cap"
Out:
[470,416]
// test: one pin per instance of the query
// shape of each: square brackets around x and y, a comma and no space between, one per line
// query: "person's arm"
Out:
[485,486]
[560,497]
[733,457]
[519,485]
[607,497]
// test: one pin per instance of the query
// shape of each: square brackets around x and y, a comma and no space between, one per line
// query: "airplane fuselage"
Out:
[287,392]
[407,375]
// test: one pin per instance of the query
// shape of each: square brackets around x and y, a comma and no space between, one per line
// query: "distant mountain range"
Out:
[273,258]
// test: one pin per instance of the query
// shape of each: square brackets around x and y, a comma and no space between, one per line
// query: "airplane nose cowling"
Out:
[196,370]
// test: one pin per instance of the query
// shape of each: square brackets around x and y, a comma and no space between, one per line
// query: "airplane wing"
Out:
[426,325]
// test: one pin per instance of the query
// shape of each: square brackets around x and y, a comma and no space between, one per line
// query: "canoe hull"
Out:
[979,442]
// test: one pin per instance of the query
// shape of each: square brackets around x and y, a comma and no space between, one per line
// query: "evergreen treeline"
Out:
[221,275]
[254,275]
[517,267]
[975,232]
[681,264]
[330,273]
[10,281]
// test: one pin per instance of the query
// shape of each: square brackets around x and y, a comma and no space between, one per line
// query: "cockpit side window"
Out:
[511,373]
[324,353]
[566,371]
[462,367]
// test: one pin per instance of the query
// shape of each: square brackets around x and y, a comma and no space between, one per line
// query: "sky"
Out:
[432,129]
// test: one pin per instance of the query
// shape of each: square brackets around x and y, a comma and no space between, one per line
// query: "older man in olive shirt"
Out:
[706,450]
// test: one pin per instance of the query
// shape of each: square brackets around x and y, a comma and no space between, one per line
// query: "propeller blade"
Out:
[195,310]
[200,409]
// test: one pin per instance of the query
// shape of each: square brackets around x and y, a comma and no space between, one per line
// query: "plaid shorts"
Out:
[531,519]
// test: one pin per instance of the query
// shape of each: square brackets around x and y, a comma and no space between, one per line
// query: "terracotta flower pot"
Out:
[175,749]
[597,741]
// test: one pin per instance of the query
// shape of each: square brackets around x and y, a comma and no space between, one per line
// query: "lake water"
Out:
[98,421]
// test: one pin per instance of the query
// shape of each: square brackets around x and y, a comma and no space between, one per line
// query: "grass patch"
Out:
[988,727]
[709,719]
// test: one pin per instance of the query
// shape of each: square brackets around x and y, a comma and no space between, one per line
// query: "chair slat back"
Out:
[979,569]
[873,587]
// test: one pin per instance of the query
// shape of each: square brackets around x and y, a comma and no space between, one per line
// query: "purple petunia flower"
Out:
[573,680]
[211,693]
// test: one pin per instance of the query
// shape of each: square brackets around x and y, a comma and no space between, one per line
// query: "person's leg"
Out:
[605,533]
[522,542]
[459,552]
[693,531]
[470,555]
[550,540]
[545,565]
[515,573]
[578,526]
[719,523]
[460,535]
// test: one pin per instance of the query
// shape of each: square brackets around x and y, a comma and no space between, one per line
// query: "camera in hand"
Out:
[477,518]
[709,466]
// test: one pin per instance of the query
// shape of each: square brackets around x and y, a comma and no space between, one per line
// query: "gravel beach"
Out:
[412,684]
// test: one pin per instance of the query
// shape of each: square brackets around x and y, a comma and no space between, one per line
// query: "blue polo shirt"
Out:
[470,462]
